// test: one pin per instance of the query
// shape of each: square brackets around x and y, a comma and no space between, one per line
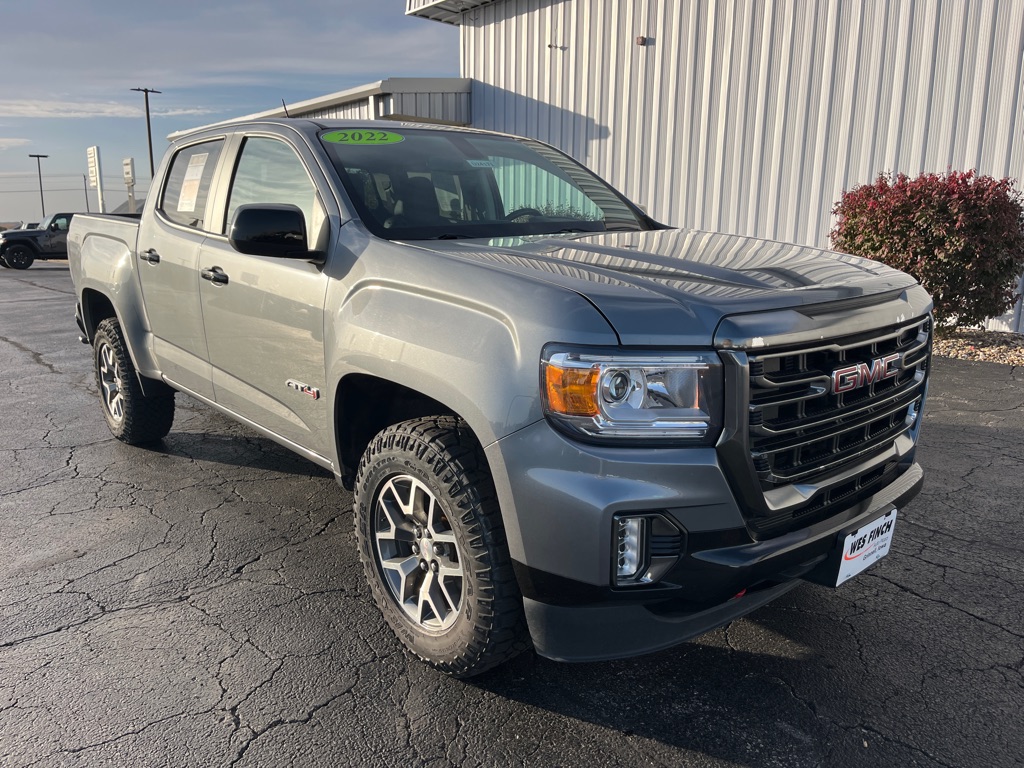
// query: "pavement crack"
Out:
[947,604]
[37,357]
[280,722]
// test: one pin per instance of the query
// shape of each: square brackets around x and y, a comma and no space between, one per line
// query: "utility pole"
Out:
[39,168]
[149,130]
[85,186]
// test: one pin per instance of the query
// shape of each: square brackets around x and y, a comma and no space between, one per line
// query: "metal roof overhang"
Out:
[447,11]
[393,85]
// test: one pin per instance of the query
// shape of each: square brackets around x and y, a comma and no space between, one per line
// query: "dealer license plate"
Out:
[866,546]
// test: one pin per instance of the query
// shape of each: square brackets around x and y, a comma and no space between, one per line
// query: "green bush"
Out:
[960,234]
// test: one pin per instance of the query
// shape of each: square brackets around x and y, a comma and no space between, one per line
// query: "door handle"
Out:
[214,275]
[151,256]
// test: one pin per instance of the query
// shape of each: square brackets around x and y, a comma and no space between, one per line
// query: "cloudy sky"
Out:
[69,66]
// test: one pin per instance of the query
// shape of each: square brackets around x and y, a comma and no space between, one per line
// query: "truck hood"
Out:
[21,232]
[674,286]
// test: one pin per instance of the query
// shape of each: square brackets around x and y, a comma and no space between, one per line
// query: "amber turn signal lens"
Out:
[572,391]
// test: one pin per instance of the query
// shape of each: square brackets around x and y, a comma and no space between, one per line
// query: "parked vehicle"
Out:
[563,422]
[20,248]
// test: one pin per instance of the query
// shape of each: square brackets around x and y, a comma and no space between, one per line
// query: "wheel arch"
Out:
[364,405]
[31,244]
[97,307]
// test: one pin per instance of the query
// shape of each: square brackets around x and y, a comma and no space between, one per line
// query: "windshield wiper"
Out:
[450,236]
[570,230]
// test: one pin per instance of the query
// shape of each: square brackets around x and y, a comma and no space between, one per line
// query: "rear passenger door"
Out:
[168,265]
[264,316]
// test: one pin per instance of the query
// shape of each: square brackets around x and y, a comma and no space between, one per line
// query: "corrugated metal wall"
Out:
[752,116]
[448,107]
[355,110]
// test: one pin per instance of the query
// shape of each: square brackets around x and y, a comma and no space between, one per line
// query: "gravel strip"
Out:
[987,346]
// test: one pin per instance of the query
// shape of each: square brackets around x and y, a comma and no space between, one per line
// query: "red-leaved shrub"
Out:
[960,234]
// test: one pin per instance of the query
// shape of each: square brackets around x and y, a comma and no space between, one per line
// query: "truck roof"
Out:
[313,125]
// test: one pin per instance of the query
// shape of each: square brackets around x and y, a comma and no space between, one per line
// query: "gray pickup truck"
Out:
[21,248]
[564,423]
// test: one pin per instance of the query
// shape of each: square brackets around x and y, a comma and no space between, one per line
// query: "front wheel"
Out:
[19,257]
[132,417]
[433,546]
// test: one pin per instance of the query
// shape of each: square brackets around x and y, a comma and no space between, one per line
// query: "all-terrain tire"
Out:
[132,417]
[19,256]
[433,546]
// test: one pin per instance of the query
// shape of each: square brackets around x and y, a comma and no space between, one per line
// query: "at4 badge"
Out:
[305,389]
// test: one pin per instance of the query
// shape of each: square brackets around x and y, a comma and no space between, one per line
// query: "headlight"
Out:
[658,397]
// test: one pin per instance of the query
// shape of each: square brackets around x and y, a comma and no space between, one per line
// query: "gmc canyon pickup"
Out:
[564,423]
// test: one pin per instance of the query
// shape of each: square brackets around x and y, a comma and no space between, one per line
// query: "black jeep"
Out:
[20,247]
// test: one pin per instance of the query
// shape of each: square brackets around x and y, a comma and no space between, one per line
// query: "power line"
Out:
[115,180]
[33,191]
[15,174]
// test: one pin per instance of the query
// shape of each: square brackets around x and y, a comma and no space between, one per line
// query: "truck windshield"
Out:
[45,223]
[418,184]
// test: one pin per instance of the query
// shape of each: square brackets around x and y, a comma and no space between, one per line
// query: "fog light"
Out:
[645,548]
[632,538]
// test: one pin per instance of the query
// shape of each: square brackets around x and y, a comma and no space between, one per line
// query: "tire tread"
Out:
[449,447]
[146,419]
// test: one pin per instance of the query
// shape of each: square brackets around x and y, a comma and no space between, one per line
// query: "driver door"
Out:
[264,316]
[57,234]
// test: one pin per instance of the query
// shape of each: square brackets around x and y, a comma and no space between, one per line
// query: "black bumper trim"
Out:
[603,632]
[571,621]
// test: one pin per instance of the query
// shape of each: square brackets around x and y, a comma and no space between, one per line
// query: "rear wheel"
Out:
[433,547]
[132,417]
[19,257]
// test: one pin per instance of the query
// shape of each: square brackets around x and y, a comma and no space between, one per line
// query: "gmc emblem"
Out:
[860,375]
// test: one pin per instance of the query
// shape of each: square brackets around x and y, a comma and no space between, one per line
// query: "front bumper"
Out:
[560,526]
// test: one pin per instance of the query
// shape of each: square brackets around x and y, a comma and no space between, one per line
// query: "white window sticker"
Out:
[190,185]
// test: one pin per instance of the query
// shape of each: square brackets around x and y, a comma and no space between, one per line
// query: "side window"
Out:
[269,171]
[188,184]
[60,224]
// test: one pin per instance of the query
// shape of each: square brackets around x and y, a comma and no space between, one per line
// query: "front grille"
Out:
[801,430]
[801,433]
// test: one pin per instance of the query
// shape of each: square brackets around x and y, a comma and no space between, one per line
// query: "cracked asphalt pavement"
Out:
[201,604]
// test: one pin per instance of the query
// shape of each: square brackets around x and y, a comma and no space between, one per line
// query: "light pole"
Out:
[149,131]
[39,168]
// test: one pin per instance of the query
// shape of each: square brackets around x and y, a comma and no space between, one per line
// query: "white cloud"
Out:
[182,111]
[65,109]
[72,109]
[12,143]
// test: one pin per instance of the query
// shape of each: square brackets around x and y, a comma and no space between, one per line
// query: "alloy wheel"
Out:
[417,553]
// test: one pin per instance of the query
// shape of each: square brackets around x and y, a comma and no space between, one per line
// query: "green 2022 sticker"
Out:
[362,137]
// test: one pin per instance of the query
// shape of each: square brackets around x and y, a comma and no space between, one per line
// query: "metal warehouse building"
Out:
[740,116]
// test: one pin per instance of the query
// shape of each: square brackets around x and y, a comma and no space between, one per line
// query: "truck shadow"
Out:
[706,696]
[240,448]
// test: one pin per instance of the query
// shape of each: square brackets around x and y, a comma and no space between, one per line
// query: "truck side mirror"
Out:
[277,230]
